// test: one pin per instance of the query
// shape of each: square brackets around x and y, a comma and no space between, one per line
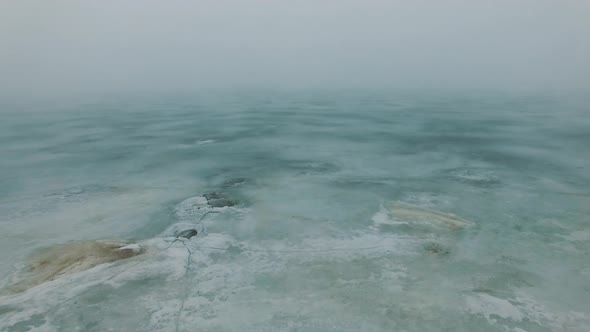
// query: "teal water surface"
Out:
[310,232]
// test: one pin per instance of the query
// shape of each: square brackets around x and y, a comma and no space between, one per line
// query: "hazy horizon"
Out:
[64,48]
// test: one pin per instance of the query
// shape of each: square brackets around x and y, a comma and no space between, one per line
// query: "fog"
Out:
[88,47]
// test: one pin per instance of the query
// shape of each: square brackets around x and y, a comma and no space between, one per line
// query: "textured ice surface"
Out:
[301,212]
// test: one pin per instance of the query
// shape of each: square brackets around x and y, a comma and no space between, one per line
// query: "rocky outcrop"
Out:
[54,262]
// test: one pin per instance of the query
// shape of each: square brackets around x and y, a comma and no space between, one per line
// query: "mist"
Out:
[96,47]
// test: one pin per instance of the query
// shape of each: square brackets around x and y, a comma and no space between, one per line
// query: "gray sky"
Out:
[63,47]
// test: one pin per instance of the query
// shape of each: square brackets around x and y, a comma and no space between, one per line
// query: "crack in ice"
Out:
[186,285]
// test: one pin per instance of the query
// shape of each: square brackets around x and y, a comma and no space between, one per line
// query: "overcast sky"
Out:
[142,45]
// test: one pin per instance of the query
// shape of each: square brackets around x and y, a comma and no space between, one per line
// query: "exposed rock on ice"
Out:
[436,248]
[403,213]
[215,199]
[72,257]
[184,230]
[187,234]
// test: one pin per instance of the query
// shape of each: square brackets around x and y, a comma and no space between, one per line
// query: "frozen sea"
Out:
[315,211]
